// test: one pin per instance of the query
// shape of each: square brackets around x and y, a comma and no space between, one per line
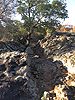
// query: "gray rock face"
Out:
[11,46]
[16,63]
[13,80]
[60,46]
[47,75]
[25,76]
[14,75]
[29,51]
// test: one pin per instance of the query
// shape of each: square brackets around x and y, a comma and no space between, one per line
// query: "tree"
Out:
[13,26]
[6,10]
[16,28]
[41,13]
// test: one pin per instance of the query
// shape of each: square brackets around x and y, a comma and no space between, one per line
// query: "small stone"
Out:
[8,74]
[19,78]
[22,70]
[36,56]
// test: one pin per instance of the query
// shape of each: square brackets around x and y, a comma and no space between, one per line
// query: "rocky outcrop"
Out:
[11,46]
[29,51]
[48,76]
[57,67]
[40,72]
[14,76]
[60,46]
[16,63]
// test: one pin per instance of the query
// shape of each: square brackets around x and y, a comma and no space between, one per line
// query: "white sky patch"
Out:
[71,13]
[17,17]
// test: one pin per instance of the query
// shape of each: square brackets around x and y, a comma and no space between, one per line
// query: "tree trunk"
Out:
[28,39]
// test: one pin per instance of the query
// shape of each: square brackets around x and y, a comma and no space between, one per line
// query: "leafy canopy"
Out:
[41,12]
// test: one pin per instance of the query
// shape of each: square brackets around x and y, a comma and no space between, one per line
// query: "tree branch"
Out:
[37,22]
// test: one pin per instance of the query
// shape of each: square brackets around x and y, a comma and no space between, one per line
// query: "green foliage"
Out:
[50,30]
[16,28]
[62,45]
[42,13]
[4,34]
[13,26]
[41,30]
[39,36]
[39,33]
[71,78]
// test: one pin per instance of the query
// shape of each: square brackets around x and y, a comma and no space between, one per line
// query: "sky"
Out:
[71,13]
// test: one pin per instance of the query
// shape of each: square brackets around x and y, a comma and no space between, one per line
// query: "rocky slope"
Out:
[60,46]
[43,72]
[14,74]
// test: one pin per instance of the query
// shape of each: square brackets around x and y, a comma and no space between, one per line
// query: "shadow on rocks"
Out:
[10,46]
[13,77]
[70,90]
[51,79]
